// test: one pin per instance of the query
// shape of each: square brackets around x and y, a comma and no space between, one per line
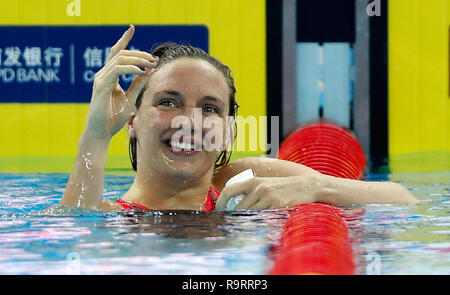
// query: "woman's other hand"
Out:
[281,192]
[111,106]
[271,192]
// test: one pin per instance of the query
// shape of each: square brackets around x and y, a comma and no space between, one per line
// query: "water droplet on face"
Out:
[166,159]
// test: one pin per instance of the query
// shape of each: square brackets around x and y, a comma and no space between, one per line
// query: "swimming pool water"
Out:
[35,239]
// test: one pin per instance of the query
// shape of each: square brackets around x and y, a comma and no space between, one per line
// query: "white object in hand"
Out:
[244,175]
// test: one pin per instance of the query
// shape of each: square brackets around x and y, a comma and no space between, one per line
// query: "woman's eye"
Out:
[167,104]
[210,109]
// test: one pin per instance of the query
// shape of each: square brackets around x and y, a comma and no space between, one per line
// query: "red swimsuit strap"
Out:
[211,199]
[130,205]
[210,203]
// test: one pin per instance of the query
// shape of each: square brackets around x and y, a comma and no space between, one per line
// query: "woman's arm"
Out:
[262,167]
[281,184]
[341,191]
[85,186]
[109,110]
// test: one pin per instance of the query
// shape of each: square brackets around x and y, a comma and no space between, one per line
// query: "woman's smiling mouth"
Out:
[182,148]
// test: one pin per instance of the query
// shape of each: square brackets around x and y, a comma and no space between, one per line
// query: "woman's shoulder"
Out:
[262,167]
[224,174]
[110,206]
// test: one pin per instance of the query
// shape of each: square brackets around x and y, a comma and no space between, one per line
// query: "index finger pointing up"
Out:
[122,43]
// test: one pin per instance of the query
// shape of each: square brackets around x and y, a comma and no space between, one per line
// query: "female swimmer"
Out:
[178,81]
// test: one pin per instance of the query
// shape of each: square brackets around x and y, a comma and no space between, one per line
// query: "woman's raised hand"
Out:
[111,106]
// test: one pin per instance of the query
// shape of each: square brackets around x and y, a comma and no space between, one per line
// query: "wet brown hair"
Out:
[168,52]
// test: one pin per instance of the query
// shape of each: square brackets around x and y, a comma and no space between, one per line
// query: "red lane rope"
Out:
[327,148]
[315,238]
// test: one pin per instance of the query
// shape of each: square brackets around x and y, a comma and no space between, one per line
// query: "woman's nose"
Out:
[194,115]
[190,118]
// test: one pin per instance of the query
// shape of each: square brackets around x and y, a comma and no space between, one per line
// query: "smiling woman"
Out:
[170,101]
[178,86]
[175,84]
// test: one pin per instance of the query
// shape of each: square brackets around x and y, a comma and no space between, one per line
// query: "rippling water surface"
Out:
[35,239]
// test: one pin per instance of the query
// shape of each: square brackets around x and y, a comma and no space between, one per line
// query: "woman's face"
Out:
[183,111]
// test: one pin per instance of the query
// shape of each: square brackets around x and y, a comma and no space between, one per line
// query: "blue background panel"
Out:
[56,64]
